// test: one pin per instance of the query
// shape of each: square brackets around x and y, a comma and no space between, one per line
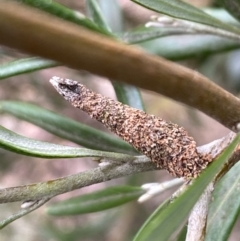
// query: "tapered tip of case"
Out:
[56,81]
[69,89]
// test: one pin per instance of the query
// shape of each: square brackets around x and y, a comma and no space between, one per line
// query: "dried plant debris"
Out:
[166,144]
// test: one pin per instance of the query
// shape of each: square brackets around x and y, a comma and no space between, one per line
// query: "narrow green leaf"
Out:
[186,46]
[182,234]
[26,65]
[182,10]
[221,14]
[113,15]
[97,201]
[29,147]
[65,127]
[142,34]
[165,221]
[96,15]
[224,210]
[87,231]
[232,6]
[127,94]
[63,12]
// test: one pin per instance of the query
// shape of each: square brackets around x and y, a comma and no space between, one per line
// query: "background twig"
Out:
[23,212]
[197,221]
[66,184]
[104,173]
